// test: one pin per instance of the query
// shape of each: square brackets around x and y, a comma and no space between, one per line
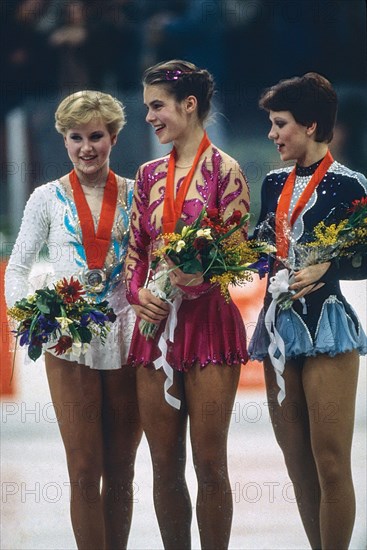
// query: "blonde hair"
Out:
[80,107]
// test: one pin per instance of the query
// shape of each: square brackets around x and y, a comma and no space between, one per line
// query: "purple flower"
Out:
[111,315]
[24,338]
[95,316]
[261,265]
[85,319]
[98,317]
[47,325]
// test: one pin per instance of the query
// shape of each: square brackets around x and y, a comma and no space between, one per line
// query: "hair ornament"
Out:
[175,75]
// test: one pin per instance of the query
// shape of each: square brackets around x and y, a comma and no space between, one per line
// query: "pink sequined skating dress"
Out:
[209,330]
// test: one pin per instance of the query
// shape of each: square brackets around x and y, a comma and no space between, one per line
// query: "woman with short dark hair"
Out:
[311,349]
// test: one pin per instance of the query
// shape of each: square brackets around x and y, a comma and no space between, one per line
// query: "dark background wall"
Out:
[51,48]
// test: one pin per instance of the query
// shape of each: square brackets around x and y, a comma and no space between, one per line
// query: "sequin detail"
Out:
[50,219]
[328,313]
[199,336]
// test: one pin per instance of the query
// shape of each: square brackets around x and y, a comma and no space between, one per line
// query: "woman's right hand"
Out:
[151,308]
[307,280]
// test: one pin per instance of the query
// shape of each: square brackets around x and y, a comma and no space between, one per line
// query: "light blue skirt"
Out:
[336,333]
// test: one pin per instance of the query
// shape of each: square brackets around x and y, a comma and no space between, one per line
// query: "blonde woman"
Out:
[83,219]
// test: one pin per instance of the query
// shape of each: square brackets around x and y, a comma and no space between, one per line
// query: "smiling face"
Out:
[293,140]
[168,117]
[89,147]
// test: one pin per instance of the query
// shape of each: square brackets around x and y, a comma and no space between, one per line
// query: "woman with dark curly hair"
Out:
[209,340]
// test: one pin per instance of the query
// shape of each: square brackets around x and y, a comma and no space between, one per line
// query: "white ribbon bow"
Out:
[279,284]
[161,362]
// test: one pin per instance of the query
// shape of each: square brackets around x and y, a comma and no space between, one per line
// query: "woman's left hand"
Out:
[178,277]
[306,280]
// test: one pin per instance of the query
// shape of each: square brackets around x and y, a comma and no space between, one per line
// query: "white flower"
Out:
[78,348]
[64,322]
[268,248]
[186,231]
[205,233]
[180,245]
[158,284]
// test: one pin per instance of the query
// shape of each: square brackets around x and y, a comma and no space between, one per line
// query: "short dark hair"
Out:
[310,98]
[181,79]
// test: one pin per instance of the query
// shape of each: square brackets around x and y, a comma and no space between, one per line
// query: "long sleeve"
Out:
[347,269]
[137,257]
[234,193]
[32,236]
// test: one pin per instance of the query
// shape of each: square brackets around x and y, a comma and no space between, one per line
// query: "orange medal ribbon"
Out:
[96,244]
[172,207]
[281,216]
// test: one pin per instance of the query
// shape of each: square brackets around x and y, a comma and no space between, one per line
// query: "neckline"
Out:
[308,170]
[93,186]
[173,203]
[282,220]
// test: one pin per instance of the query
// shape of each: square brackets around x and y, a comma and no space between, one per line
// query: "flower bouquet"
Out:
[347,237]
[210,245]
[330,239]
[62,315]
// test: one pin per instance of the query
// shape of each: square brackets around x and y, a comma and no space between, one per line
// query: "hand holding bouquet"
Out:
[61,315]
[342,234]
[210,245]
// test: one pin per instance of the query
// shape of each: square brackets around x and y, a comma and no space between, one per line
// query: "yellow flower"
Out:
[229,278]
[170,238]
[17,313]
[223,281]
[327,235]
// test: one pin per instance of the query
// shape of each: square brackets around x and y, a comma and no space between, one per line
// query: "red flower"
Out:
[71,290]
[212,213]
[206,222]
[358,205]
[216,225]
[199,243]
[235,218]
[63,344]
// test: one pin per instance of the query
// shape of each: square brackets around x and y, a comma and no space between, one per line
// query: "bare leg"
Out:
[122,434]
[330,385]
[292,431]
[165,429]
[77,396]
[210,394]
